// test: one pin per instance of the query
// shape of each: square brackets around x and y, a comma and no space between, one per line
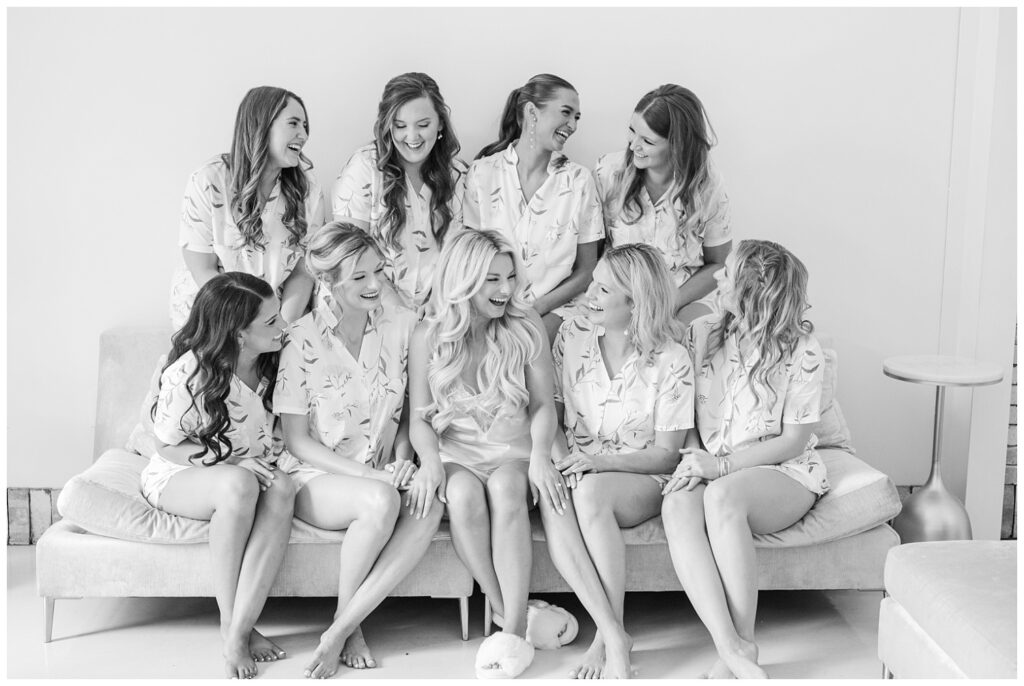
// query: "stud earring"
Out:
[440,135]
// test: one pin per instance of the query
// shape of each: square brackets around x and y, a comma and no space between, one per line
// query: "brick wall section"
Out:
[1009,529]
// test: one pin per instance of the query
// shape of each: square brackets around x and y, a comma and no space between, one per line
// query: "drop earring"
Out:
[533,134]
[440,135]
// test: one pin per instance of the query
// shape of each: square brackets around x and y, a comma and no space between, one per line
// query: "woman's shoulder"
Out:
[609,163]
[492,161]
[180,369]
[213,170]
[459,166]
[576,326]
[807,346]
[364,159]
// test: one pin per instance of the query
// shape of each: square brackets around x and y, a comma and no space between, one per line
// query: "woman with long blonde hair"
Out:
[750,468]
[252,208]
[665,191]
[624,390]
[340,394]
[482,424]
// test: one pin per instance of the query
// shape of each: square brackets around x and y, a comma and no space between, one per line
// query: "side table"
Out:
[932,513]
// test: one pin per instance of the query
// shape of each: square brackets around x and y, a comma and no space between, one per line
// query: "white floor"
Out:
[802,634]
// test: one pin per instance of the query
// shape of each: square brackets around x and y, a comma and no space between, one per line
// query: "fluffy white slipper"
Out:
[548,626]
[512,653]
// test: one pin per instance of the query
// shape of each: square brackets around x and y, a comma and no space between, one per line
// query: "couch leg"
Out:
[886,674]
[48,604]
[487,616]
[464,616]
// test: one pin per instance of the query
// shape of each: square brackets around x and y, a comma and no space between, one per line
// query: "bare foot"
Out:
[741,660]
[325,660]
[263,649]
[617,664]
[718,671]
[592,664]
[238,663]
[356,654]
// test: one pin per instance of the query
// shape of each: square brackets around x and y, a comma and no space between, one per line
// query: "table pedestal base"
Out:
[932,514]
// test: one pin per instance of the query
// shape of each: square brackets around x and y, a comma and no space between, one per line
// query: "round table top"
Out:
[942,370]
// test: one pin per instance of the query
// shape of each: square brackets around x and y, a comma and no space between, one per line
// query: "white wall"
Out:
[835,131]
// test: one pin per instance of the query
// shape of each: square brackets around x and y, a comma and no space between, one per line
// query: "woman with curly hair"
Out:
[340,394]
[624,389]
[664,190]
[482,422]
[406,188]
[251,209]
[216,452]
[525,187]
[751,467]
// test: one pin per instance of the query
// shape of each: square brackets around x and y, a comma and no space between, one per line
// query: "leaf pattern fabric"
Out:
[728,415]
[251,429]
[619,414]
[658,226]
[207,226]
[358,193]
[564,212]
[353,406]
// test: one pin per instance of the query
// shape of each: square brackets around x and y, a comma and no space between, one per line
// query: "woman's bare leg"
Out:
[367,510]
[224,495]
[511,541]
[470,522]
[400,555]
[737,506]
[571,559]
[605,502]
[683,516]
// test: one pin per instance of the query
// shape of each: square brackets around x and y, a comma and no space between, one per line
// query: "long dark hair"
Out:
[538,90]
[248,159]
[437,168]
[225,305]
[676,114]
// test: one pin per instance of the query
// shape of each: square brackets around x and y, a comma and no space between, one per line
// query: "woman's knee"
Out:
[281,493]
[236,488]
[465,496]
[590,497]
[507,489]
[722,504]
[380,501]
[681,508]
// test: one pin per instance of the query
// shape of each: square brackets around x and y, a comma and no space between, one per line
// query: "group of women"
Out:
[473,342]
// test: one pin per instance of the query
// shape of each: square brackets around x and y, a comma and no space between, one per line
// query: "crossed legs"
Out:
[710,537]
[249,532]
[382,544]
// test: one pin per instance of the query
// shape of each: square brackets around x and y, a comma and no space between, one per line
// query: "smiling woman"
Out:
[523,186]
[251,209]
[406,188]
[664,191]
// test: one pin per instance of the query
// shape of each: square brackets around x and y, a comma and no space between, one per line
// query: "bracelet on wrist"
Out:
[723,467]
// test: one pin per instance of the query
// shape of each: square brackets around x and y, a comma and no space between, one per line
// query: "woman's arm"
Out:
[789,444]
[314,453]
[703,280]
[430,478]
[544,478]
[295,293]
[577,282]
[202,265]
[660,458]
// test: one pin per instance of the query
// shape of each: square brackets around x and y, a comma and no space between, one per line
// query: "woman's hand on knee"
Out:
[547,483]
[261,468]
[428,481]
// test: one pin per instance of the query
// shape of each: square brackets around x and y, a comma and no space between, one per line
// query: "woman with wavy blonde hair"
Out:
[252,208]
[482,423]
[751,467]
[340,394]
[665,191]
[624,390]
[406,187]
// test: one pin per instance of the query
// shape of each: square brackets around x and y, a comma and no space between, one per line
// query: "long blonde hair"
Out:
[511,341]
[639,272]
[770,290]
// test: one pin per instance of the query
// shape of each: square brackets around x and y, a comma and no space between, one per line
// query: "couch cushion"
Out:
[831,428]
[105,499]
[963,595]
[860,499]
